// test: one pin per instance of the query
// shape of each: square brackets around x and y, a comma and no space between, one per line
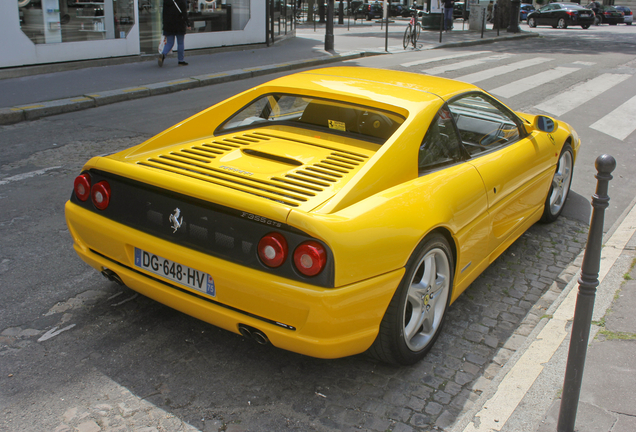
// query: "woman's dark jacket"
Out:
[175,22]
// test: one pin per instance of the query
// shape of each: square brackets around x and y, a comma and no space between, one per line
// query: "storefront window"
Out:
[204,15]
[54,21]
[218,15]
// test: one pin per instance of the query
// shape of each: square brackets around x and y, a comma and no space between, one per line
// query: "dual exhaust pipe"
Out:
[255,334]
[112,276]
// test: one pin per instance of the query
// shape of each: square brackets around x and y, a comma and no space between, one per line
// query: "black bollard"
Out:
[588,282]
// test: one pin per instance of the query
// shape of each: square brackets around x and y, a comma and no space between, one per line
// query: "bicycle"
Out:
[412,32]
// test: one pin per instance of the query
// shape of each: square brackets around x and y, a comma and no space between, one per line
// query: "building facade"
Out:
[52,31]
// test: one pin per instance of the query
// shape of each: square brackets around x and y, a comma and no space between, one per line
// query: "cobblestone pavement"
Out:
[126,363]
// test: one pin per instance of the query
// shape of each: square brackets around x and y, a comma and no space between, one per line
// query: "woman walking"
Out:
[175,23]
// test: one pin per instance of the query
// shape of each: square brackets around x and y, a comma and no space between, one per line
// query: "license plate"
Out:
[585,15]
[175,272]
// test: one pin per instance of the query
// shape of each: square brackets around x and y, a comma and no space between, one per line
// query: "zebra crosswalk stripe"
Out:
[525,84]
[465,64]
[620,123]
[440,58]
[501,70]
[581,93]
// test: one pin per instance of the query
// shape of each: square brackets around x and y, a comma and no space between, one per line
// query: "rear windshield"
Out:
[311,113]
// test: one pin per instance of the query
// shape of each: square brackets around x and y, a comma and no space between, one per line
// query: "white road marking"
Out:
[125,301]
[531,82]
[581,93]
[620,123]
[584,63]
[54,332]
[465,64]
[27,175]
[501,70]
[498,409]
[447,57]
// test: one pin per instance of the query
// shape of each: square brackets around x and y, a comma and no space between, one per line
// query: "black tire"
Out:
[628,23]
[418,30]
[532,22]
[585,26]
[562,24]
[598,20]
[415,317]
[560,187]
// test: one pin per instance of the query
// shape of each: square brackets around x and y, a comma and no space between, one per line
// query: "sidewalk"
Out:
[100,83]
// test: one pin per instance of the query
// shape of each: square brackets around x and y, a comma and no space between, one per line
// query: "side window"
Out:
[441,144]
[483,124]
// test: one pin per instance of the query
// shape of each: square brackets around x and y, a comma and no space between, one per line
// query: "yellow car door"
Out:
[514,166]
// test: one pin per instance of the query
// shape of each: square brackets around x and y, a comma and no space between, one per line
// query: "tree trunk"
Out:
[503,11]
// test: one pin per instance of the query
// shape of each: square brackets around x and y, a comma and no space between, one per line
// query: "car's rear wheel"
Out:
[561,24]
[532,22]
[585,26]
[415,316]
[560,186]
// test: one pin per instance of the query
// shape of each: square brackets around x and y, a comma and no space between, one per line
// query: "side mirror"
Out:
[544,124]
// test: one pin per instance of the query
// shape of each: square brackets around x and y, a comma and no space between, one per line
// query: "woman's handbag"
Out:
[162,44]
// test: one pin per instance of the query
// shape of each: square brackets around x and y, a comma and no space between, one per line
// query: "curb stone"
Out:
[34,111]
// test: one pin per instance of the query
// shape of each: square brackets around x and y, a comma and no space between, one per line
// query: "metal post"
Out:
[483,21]
[497,20]
[441,24]
[341,13]
[267,18]
[588,282]
[329,32]
[386,34]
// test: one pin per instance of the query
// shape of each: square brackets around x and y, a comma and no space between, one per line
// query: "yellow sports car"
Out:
[328,212]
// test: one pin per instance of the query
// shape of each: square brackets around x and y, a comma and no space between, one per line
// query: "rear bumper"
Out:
[310,320]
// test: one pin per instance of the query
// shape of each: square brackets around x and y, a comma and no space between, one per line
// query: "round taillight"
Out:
[272,249]
[82,186]
[310,258]
[100,193]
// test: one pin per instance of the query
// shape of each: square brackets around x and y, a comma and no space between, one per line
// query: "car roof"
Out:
[394,88]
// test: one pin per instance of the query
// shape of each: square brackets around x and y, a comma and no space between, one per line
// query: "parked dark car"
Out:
[370,11]
[396,9]
[605,14]
[561,15]
[458,10]
[525,10]
[628,16]
[408,12]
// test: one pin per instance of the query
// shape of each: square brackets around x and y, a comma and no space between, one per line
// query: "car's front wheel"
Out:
[562,24]
[414,318]
[532,22]
[585,26]
[560,186]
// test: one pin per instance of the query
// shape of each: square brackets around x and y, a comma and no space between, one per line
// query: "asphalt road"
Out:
[80,353]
